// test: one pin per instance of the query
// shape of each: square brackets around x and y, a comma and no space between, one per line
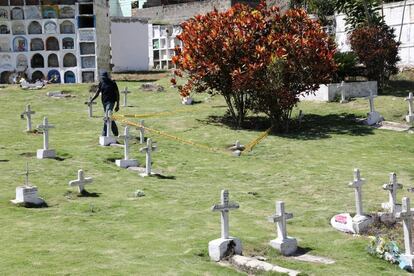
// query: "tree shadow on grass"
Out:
[314,126]
[161,176]
[398,88]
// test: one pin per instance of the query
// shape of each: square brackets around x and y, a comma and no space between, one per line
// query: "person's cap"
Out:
[104,74]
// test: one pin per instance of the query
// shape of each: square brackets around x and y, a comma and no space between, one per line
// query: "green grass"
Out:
[167,231]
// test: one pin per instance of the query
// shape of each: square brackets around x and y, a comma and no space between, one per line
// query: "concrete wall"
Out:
[327,93]
[120,8]
[393,17]
[129,42]
[102,28]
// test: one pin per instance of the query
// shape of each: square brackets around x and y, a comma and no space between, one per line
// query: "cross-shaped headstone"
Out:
[141,130]
[148,150]
[45,128]
[357,185]
[90,107]
[26,182]
[371,98]
[125,92]
[410,117]
[407,217]
[28,112]
[392,187]
[224,207]
[280,219]
[81,181]
[126,137]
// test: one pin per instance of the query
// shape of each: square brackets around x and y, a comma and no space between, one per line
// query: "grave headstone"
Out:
[373,116]
[90,107]
[237,148]
[108,139]
[45,152]
[410,117]
[406,214]
[283,243]
[391,206]
[126,162]
[141,130]
[81,181]
[225,245]
[28,113]
[125,92]
[360,220]
[27,194]
[148,160]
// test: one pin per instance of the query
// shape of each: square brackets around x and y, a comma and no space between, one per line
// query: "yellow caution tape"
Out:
[249,147]
[169,136]
[157,114]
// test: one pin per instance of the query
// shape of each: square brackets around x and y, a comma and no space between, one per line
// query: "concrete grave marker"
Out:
[125,92]
[27,194]
[148,160]
[237,148]
[225,245]
[108,139]
[373,116]
[286,245]
[141,130]
[81,181]
[90,107]
[360,221]
[391,206]
[28,113]
[406,215]
[410,117]
[343,94]
[45,152]
[126,162]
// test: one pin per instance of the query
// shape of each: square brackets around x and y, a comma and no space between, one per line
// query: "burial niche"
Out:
[21,62]
[52,60]
[37,75]
[16,2]
[52,44]
[34,28]
[67,12]
[67,27]
[88,76]
[50,27]
[19,44]
[4,29]
[54,76]
[18,28]
[49,12]
[69,60]
[67,43]
[17,14]
[4,44]
[32,12]
[69,77]
[36,44]
[4,14]
[32,2]
[37,61]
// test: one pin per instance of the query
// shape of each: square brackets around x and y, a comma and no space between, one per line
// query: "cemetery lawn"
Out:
[167,231]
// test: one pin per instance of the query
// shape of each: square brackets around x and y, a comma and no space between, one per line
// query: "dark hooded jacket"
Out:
[109,89]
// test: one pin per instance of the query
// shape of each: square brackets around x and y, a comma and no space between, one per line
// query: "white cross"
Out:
[125,92]
[237,146]
[410,100]
[81,181]
[224,207]
[357,184]
[392,187]
[141,130]
[45,128]
[280,219]
[407,216]
[126,137]
[90,107]
[28,114]
[148,149]
[371,98]
[27,184]
[108,120]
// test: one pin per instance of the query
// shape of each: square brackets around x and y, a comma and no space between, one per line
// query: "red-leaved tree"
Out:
[233,53]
